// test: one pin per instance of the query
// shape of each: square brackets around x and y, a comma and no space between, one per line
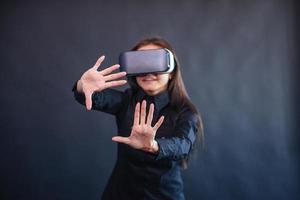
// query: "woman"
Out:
[157,127]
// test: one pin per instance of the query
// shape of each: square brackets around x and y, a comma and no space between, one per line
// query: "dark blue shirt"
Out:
[138,174]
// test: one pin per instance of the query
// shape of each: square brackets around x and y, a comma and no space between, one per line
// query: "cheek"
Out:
[164,79]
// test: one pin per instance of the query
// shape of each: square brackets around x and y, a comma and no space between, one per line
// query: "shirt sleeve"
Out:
[108,100]
[179,146]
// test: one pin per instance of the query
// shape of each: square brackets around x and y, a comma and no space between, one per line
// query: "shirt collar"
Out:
[160,100]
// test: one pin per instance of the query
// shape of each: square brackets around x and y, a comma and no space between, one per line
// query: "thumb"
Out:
[120,139]
[88,100]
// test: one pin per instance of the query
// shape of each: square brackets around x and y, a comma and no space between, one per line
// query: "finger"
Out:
[99,61]
[150,114]
[88,100]
[109,69]
[143,112]
[159,123]
[114,83]
[114,76]
[136,120]
[120,139]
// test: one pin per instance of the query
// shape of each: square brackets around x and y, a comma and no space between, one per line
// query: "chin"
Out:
[149,89]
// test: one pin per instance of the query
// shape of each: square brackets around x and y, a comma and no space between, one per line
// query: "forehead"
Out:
[149,47]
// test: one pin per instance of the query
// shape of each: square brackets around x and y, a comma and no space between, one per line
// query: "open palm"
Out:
[93,80]
[142,135]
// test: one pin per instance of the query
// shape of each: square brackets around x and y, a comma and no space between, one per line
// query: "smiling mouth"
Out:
[149,79]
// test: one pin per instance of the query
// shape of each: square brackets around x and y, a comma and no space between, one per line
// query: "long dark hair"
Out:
[178,94]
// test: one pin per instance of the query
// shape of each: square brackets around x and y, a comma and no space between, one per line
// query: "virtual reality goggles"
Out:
[142,62]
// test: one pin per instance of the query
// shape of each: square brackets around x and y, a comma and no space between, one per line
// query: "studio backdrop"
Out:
[238,62]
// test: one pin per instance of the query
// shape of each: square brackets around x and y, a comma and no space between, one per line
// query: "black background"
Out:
[239,61]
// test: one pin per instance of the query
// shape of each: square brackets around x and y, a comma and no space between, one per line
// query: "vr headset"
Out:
[136,63]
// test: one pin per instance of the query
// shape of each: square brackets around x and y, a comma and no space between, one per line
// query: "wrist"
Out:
[154,148]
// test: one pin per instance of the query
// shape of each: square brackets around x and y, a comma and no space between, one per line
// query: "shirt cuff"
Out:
[161,142]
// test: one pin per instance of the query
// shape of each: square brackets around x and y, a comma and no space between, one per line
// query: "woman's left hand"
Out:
[142,135]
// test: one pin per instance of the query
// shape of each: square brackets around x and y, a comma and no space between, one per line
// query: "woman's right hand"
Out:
[93,80]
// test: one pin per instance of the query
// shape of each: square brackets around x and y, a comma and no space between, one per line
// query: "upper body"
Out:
[146,175]
[157,127]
